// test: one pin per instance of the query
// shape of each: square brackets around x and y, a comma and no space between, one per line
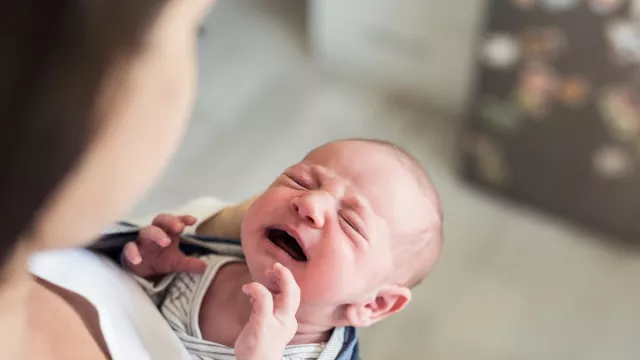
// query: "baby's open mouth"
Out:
[286,242]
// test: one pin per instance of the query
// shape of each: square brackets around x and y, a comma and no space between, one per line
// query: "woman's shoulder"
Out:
[130,324]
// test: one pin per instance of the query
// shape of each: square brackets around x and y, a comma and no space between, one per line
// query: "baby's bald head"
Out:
[417,245]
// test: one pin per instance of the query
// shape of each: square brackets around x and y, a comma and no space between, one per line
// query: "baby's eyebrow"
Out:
[318,172]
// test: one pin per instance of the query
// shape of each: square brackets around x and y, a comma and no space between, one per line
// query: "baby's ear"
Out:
[389,300]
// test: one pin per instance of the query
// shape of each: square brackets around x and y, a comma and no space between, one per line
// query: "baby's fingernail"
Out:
[245,289]
[136,260]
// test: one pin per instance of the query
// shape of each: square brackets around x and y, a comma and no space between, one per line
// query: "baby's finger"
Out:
[261,299]
[153,235]
[288,301]
[132,253]
[169,223]
[189,264]
[188,219]
[174,260]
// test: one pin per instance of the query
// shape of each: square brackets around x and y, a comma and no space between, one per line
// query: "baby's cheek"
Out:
[323,285]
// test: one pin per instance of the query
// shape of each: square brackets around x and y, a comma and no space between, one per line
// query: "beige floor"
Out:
[513,284]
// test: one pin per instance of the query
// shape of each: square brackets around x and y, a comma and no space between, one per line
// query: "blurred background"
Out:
[526,114]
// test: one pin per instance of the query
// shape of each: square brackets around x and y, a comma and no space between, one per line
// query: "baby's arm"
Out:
[213,217]
[225,223]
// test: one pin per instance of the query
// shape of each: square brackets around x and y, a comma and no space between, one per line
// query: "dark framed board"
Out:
[555,116]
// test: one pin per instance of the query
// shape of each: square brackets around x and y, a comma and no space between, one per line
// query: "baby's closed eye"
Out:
[301,181]
[351,221]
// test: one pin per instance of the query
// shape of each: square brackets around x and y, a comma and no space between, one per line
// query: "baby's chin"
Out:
[258,268]
[262,279]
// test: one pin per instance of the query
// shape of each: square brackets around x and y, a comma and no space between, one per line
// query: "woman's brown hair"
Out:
[54,56]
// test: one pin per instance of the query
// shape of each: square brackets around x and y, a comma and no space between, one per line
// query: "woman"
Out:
[94,98]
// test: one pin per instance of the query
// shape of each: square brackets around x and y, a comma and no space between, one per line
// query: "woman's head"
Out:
[93,101]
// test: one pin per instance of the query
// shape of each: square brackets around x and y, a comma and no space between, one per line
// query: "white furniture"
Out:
[421,48]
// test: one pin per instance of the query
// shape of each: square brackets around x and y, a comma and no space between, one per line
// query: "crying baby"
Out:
[336,242]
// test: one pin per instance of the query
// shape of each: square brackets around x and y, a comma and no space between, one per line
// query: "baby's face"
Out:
[331,220]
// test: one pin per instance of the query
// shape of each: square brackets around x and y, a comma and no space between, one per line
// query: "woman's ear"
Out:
[387,301]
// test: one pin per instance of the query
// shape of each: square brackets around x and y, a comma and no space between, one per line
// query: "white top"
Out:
[132,327]
[183,296]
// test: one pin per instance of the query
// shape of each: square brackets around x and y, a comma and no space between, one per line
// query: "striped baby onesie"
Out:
[183,295]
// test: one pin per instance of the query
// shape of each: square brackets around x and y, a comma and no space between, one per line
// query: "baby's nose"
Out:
[311,208]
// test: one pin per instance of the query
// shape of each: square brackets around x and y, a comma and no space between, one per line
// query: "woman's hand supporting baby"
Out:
[272,323]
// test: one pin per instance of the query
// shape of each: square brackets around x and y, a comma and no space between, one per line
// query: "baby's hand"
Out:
[272,323]
[155,252]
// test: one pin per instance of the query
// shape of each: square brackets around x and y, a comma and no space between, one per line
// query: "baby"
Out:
[337,241]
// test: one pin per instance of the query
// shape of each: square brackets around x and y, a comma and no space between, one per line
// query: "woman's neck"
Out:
[14,299]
